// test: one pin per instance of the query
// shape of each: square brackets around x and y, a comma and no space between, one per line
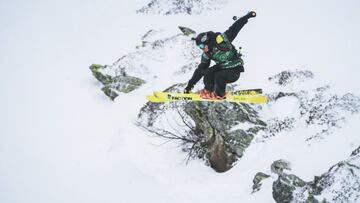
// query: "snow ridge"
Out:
[191,7]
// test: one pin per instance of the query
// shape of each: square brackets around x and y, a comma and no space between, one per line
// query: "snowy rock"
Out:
[284,187]
[114,85]
[219,133]
[318,110]
[340,184]
[277,125]
[209,131]
[187,31]
[146,63]
[289,187]
[286,77]
[286,184]
[326,111]
[257,181]
[157,49]
[222,143]
[165,7]
[279,166]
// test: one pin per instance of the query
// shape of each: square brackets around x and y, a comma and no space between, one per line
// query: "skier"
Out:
[228,63]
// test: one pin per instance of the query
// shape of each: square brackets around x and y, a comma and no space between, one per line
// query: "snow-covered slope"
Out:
[62,140]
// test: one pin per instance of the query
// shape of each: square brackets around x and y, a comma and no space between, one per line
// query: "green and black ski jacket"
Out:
[221,51]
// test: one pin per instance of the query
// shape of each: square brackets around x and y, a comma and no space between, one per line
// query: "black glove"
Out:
[251,14]
[187,89]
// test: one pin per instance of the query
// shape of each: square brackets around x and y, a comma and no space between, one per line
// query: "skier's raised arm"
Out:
[234,29]
[228,63]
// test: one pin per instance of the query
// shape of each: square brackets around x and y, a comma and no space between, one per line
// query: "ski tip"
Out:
[152,98]
[250,99]
[260,99]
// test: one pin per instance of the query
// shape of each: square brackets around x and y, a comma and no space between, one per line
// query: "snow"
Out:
[62,140]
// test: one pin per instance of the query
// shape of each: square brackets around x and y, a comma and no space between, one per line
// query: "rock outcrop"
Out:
[340,184]
[211,131]
[318,108]
[219,133]
[113,85]
[133,70]
[259,177]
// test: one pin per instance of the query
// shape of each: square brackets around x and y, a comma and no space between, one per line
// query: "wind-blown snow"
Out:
[62,140]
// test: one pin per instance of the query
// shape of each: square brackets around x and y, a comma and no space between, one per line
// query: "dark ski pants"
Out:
[215,78]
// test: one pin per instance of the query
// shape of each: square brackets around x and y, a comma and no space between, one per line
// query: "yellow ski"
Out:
[172,97]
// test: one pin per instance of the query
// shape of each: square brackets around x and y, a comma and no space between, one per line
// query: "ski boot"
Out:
[205,94]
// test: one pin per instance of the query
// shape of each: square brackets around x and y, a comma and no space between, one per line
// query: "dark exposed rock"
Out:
[340,184]
[284,187]
[277,95]
[114,85]
[356,152]
[257,181]
[210,133]
[215,121]
[279,166]
[277,125]
[187,31]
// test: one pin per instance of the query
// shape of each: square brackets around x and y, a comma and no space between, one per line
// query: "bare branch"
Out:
[185,122]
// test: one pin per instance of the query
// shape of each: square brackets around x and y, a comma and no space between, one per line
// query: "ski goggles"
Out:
[201,46]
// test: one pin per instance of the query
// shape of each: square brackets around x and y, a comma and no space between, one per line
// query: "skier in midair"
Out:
[228,63]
